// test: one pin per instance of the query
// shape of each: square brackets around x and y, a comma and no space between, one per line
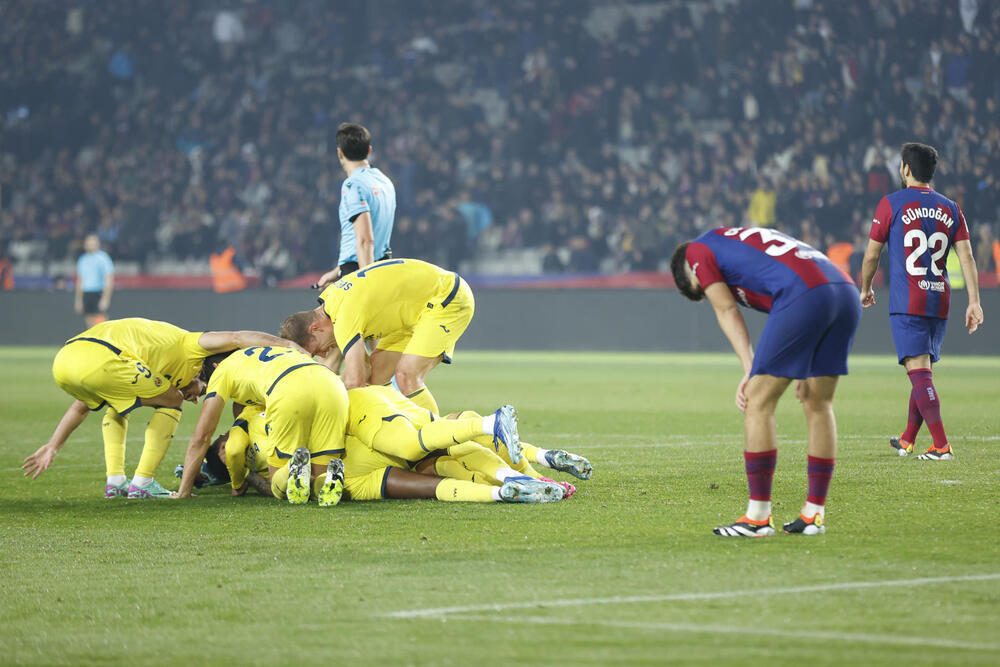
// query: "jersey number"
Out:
[774,243]
[265,353]
[920,242]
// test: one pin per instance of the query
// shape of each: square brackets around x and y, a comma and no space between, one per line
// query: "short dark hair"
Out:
[296,327]
[209,363]
[921,159]
[677,266]
[354,141]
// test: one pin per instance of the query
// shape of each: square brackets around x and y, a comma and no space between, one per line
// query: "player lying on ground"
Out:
[416,311]
[813,315]
[126,364]
[306,408]
[238,456]
[391,434]
[920,226]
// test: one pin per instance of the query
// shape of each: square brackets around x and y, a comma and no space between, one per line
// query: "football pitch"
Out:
[627,571]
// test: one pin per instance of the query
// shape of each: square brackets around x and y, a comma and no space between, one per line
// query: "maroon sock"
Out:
[820,471]
[913,420]
[760,473]
[929,404]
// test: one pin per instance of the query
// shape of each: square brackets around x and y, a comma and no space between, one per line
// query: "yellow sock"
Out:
[425,399]
[444,433]
[529,455]
[476,457]
[448,466]
[460,491]
[279,482]
[159,433]
[114,428]
[317,484]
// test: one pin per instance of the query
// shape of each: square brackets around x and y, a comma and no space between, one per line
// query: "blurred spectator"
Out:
[505,125]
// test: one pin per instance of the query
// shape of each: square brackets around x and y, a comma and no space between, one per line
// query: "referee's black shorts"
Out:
[91,303]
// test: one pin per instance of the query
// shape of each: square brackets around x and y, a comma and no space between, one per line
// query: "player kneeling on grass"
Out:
[306,411]
[126,364]
[813,314]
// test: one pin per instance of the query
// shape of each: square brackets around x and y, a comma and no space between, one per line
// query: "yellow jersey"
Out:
[247,376]
[386,297]
[168,350]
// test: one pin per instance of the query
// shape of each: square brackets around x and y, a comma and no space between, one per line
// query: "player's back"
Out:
[920,226]
[387,296]
[366,189]
[248,375]
[167,349]
[762,266]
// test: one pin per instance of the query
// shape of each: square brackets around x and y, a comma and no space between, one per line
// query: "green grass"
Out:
[613,575]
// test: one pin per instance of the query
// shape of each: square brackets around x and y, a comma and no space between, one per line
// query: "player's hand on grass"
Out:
[242,490]
[973,317]
[327,278]
[741,394]
[39,462]
[868,298]
[176,495]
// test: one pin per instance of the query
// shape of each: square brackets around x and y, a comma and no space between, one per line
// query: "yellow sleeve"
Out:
[219,385]
[236,452]
[348,328]
[190,345]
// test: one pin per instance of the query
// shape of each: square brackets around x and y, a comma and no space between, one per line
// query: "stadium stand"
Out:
[516,144]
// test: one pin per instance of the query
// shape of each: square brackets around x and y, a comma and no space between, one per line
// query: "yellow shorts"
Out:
[307,408]
[438,328]
[374,406]
[366,471]
[100,374]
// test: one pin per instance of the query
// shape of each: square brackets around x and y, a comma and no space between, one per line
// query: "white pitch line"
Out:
[680,597]
[743,631]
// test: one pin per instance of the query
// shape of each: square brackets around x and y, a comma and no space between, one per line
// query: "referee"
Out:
[367,206]
[95,281]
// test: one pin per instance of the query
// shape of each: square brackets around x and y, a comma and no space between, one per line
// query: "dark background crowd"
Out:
[597,133]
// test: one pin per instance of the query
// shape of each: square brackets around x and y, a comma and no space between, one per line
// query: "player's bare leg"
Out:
[760,455]
[816,396]
[928,403]
[410,374]
[383,364]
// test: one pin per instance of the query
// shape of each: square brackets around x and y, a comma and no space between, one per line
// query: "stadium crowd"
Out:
[602,134]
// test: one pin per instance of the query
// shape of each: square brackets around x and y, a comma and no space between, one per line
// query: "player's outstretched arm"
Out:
[974,312]
[727,311]
[868,267]
[38,462]
[211,411]
[224,341]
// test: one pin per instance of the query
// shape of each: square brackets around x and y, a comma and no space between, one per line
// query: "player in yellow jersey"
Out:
[247,449]
[306,412]
[237,455]
[413,312]
[125,364]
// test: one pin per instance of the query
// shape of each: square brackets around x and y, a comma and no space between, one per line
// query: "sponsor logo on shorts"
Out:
[157,382]
[931,285]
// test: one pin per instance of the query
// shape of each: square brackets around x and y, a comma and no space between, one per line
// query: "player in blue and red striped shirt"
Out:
[813,314]
[920,227]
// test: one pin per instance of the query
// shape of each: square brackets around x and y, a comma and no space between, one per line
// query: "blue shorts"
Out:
[915,335]
[811,335]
